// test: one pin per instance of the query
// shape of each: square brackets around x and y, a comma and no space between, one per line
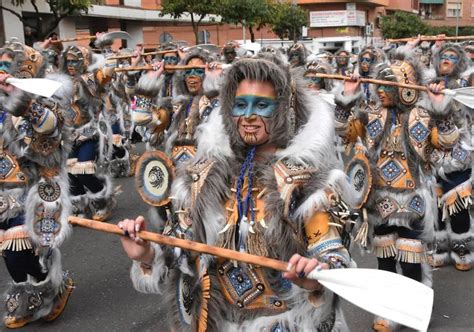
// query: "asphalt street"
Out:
[104,299]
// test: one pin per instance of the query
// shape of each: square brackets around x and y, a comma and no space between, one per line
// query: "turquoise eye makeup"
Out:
[248,105]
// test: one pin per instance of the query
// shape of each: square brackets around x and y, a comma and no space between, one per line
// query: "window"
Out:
[454,9]
[472,10]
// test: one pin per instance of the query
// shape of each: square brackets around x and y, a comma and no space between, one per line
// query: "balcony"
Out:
[372,3]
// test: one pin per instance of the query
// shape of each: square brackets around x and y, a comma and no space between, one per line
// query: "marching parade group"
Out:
[278,153]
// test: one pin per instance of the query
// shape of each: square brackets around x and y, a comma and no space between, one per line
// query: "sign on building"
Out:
[337,18]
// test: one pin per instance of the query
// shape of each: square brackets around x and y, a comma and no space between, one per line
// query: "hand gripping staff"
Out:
[463,95]
[404,300]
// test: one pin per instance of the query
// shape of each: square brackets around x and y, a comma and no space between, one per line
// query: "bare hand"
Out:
[213,69]
[350,87]
[4,85]
[434,92]
[136,248]
[413,42]
[158,69]
[301,267]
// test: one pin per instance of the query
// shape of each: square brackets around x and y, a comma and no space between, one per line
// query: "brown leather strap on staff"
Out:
[185,244]
[374,81]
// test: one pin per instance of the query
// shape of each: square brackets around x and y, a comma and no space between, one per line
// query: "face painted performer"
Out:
[323,85]
[229,53]
[34,202]
[89,191]
[252,186]
[342,62]
[454,228]
[297,55]
[400,131]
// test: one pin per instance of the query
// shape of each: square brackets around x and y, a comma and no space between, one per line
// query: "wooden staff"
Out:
[429,38]
[167,67]
[362,287]
[73,39]
[185,244]
[119,57]
[374,81]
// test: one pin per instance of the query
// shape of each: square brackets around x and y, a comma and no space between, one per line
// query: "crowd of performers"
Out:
[257,153]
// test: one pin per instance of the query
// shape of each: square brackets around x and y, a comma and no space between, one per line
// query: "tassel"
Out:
[16,239]
[205,296]
[363,231]
[256,242]
[411,251]
[86,167]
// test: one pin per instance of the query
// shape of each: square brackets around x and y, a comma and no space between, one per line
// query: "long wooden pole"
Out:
[119,57]
[185,244]
[167,67]
[374,81]
[429,38]
[73,39]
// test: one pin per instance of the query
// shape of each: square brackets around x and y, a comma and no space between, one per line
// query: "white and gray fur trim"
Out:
[150,283]
[436,110]
[62,204]
[63,96]
[46,290]
[343,100]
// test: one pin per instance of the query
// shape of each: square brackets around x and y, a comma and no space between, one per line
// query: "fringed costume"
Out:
[277,204]
[455,226]
[34,198]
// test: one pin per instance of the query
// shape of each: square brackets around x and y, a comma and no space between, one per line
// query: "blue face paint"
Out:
[248,105]
[313,79]
[170,60]
[73,63]
[450,57]
[366,60]
[5,66]
[386,88]
[199,72]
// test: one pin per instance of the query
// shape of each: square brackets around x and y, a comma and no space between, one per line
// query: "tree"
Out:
[197,9]
[287,20]
[59,9]
[402,25]
[252,14]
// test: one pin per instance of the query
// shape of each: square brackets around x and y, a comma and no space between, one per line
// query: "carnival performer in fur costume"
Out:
[257,187]
[400,131]
[455,227]
[89,191]
[342,62]
[34,195]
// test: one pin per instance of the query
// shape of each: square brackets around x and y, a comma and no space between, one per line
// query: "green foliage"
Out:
[59,9]
[451,31]
[177,8]
[402,25]
[250,13]
[287,20]
[197,9]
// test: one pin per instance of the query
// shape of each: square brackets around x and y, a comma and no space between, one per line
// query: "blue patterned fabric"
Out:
[417,204]
[390,171]
[374,128]
[239,280]
[419,132]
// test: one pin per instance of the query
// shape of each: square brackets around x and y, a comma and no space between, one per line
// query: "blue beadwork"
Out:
[390,170]
[183,157]
[459,153]
[419,132]
[374,128]
[417,204]
[239,280]
[143,102]
[5,166]
[325,246]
